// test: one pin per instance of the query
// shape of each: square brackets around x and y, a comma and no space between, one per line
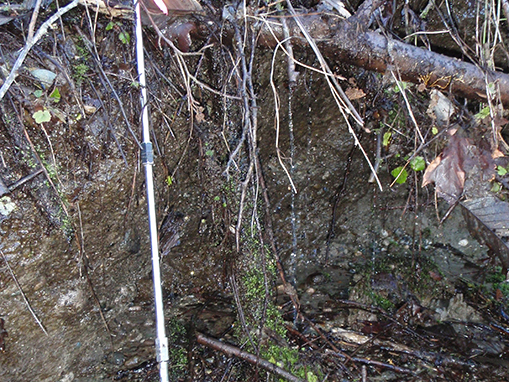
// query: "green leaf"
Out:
[124,37]
[110,26]
[38,93]
[311,377]
[400,174]
[496,187]
[209,153]
[485,112]
[55,94]
[400,85]
[501,170]
[387,139]
[169,180]
[41,116]
[418,164]
[434,130]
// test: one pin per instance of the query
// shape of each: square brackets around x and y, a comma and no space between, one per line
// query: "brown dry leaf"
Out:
[497,154]
[199,116]
[428,174]
[354,93]
[447,170]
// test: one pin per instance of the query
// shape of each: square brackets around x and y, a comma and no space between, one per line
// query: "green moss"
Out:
[177,338]
[281,356]
[413,272]
[289,359]
[254,285]
[79,72]
[382,302]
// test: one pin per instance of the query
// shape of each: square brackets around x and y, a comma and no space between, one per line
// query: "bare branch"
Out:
[30,43]
[251,358]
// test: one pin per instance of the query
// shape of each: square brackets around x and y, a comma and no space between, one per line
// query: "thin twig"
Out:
[379,364]
[93,51]
[342,101]
[33,20]
[277,118]
[231,350]
[31,42]
[407,103]
[23,294]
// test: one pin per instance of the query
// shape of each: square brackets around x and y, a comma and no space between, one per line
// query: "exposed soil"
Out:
[374,270]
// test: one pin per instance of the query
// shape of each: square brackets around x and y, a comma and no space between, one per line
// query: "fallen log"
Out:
[346,40]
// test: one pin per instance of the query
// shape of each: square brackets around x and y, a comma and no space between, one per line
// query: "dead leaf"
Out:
[447,171]
[440,108]
[428,174]
[199,116]
[354,93]
[497,154]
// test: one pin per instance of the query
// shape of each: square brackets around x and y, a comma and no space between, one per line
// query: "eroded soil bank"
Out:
[77,247]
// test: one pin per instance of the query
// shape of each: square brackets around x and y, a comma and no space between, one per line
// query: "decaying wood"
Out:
[251,358]
[346,40]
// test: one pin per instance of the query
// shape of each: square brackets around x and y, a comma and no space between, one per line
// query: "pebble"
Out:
[116,358]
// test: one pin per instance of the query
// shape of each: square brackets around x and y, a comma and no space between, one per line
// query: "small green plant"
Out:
[387,138]
[55,95]
[400,174]
[42,116]
[382,302]
[311,377]
[281,356]
[177,335]
[123,36]
[496,187]
[418,163]
[501,170]
[400,85]
[112,25]
[81,49]
[79,72]
[485,112]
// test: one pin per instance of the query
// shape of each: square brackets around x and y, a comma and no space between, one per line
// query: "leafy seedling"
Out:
[41,116]
[400,174]
[485,112]
[387,139]
[55,95]
[124,37]
[501,170]
[418,164]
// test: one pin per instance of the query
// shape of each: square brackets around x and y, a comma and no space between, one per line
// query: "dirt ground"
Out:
[376,287]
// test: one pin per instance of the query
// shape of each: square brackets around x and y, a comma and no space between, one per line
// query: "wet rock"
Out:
[171,231]
[116,358]
[3,188]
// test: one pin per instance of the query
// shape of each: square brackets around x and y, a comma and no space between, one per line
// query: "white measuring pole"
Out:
[147,156]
